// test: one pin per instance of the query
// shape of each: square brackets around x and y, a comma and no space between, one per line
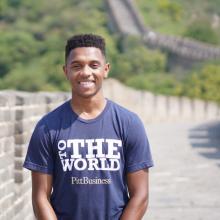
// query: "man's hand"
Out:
[138,191]
[41,191]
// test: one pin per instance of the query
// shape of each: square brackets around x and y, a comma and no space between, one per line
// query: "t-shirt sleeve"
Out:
[39,154]
[138,153]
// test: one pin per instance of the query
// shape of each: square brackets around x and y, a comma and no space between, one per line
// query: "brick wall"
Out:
[153,108]
[19,112]
[7,192]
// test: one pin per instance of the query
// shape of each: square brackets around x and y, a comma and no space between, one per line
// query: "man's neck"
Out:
[88,108]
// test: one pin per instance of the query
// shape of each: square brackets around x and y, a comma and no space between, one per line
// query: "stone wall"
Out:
[128,20]
[19,112]
[154,108]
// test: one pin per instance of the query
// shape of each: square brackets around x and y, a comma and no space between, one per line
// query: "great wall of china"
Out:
[127,20]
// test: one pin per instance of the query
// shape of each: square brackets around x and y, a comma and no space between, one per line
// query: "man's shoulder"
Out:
[55,115]
[126,119]
[122,111]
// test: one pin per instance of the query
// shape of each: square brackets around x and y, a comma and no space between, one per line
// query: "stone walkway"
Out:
[185,182]
[123,17]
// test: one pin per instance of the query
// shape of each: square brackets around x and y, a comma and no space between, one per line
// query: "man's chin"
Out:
[87,95]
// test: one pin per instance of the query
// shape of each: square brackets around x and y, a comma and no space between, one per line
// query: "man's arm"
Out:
[41,191]
[138,191]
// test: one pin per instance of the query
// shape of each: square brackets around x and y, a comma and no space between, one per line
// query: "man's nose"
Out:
[86,71]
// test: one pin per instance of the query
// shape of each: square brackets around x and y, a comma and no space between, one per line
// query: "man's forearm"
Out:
[135,209]
[43,209]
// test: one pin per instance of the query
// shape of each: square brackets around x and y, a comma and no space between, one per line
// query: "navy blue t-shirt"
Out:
[89,160]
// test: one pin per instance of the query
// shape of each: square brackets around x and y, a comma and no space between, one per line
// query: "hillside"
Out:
[33,36]
[198,19]
[34,33]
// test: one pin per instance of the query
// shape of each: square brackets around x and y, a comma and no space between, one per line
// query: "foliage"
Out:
[157,83]
[173,9]
[33,35]
[135,59]
[16,47]
[175,16]
[204,83]
[201,30]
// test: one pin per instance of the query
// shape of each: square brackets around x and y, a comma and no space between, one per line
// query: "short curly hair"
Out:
[84,40]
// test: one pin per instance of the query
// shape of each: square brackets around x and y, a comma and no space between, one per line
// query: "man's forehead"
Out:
[85,52]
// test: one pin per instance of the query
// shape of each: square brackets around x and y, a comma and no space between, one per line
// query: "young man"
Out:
[89,153]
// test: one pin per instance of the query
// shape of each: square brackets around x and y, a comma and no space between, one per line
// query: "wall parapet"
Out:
[19,113]
[155,107]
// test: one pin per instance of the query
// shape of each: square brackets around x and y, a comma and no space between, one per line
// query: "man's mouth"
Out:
[86,84]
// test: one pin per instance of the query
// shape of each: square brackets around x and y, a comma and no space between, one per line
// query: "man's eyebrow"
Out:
[75,61]
[80,61]
[95,61]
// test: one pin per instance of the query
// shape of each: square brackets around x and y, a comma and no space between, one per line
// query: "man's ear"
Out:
[107,68]
[65,71]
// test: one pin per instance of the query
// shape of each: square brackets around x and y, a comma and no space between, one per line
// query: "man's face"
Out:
[85,69]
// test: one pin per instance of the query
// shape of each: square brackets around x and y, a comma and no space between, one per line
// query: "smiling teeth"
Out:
[86,83]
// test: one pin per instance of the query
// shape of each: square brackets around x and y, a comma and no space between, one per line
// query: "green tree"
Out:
[158,83]
[16,47]
[204,84]
[201,30]
[173,9]
[135,59]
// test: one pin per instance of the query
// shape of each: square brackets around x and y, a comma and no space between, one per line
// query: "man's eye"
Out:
[76,66]
[95,66]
